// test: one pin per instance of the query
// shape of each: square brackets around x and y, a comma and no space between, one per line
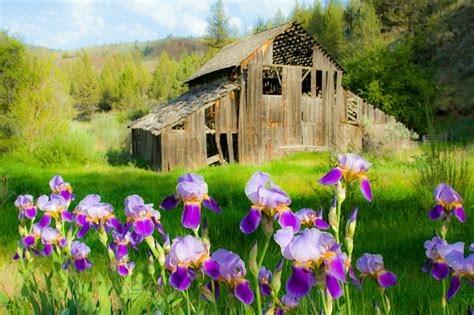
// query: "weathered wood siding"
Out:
[185,147]
[147,147]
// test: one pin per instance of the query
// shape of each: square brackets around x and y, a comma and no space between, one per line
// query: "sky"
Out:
[71,24]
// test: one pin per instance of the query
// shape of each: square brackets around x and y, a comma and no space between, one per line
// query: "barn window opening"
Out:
[211,145]
[179,126]
[210,116]
[306,83]
[319,83]
[271,84]
[335,82]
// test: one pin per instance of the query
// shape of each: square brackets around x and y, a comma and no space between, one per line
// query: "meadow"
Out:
[394,225]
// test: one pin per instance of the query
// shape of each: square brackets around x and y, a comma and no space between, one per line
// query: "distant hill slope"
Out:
[447,48]
[150,50]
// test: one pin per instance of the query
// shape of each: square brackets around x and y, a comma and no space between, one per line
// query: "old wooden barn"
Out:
[275,92]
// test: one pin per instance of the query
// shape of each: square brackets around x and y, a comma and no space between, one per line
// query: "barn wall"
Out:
[147,147]
[186,147]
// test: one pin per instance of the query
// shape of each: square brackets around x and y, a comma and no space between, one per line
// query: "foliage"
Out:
[218,29]
[388,78]
[85,88]
[42,110]
[14,71]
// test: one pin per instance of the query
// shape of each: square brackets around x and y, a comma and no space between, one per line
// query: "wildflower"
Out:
[79,252]
[232,273]
[91,212]
[61,188]
[26,207]
[121,241]
[448,202]
[264,279]
[463,268]
[53,207]
[349,167]
[310,218]
[313,252]
[192,191]
[142,216]
[440,254]
[187,255]
[372,266]
[269,199]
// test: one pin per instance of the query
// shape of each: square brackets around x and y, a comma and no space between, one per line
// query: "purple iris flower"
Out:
[288,302]
[187,255]
[54,207]
[372,266]
[264,280]
[61,188]
[441,255]
[142,216]
[232,273]
[313,252]
[349,167]
[124,268]
[310,218]
[121,242]
[448,202]
[79,252]
[462,269]
[26,206]
[192,191]
[269,199]
[90,212]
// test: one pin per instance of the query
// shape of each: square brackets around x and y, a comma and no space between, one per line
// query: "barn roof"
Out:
[234,54]
[175,111]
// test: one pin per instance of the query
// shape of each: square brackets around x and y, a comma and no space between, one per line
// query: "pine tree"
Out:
[332,35]
[163,83]
[279,18]
[218,25]
[85,88]
[316,22]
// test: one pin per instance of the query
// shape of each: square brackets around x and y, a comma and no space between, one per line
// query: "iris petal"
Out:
[180,279]
[191,215]
[211,204]
[436,212]
[365,188]
[336,269]
[333,286]
[289,219]
[332,177]
[83,231]
[170,202]
[144,227]
[30,213]
[211,268]
[387,279]
[243,292]
[251,221]
[460,214]
[299,282]
[454,287]
[440,270]
[45,221]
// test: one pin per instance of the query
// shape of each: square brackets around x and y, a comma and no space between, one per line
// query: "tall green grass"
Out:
[394,225]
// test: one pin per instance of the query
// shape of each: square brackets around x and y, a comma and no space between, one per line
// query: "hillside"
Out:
[150,51]
[445,47]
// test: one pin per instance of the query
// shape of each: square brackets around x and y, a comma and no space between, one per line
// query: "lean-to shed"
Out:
[274,92]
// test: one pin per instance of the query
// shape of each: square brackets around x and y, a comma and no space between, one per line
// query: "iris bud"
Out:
[332,217]
[340,192]
[253,260]
[351,224]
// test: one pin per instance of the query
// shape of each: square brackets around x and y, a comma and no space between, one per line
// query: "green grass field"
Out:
[394,225]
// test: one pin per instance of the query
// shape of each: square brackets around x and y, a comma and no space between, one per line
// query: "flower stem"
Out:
[443,298]
[188,303]
[259,265]
[323,301]
[347,295]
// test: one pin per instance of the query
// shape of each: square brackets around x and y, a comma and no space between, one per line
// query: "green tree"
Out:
[279,18]
[43,108]
[218,28]
[164,78]
[363,28]
[316,21]
[85,88]
[332,33]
